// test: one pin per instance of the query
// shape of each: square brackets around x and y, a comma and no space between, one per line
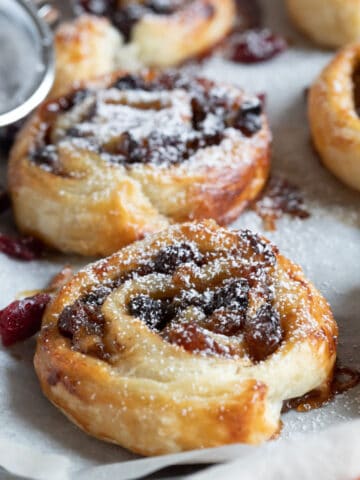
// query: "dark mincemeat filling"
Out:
[221,310]
[125,18]
[212,112]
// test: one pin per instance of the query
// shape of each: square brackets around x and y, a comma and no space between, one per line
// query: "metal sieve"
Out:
[26,58]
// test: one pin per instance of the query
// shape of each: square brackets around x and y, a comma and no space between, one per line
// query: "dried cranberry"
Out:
[5,202]
[170,257]
[22,318]
[255,46]
[248,119]
[263,333]
[26,248]
[155,313]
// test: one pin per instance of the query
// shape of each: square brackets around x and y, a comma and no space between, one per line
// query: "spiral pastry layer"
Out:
[129,34]
[127,155]
[332,23]
[191,338]
[334,107]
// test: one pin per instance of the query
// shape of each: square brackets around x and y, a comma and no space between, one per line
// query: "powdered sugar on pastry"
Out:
[195,335]
[96,155]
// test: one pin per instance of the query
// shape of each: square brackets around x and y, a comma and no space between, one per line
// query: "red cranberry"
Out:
[22,319]
[26,248]
[255,46]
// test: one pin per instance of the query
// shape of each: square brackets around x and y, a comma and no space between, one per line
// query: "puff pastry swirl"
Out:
[332,23]
[190,338]
[129,34]
[334,106]
[125,155]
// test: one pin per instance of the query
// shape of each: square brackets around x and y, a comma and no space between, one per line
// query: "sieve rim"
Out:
[40,91]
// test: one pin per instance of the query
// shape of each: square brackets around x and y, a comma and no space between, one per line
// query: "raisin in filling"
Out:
[169,258]
[125,17]
[224,309]
[134,121]
[45,153]
[84,323]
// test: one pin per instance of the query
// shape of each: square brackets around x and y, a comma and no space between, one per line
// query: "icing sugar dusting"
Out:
[169,120]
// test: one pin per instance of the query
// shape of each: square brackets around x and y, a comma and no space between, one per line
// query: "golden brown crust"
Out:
[155,397]
[334,121]
[331,23]
[84,48]
[94,207]
[191,31]
[91,46]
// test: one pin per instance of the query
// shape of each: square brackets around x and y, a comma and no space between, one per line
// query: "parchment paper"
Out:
[37,441]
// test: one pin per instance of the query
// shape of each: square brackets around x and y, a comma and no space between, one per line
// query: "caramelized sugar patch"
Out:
[344,379]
